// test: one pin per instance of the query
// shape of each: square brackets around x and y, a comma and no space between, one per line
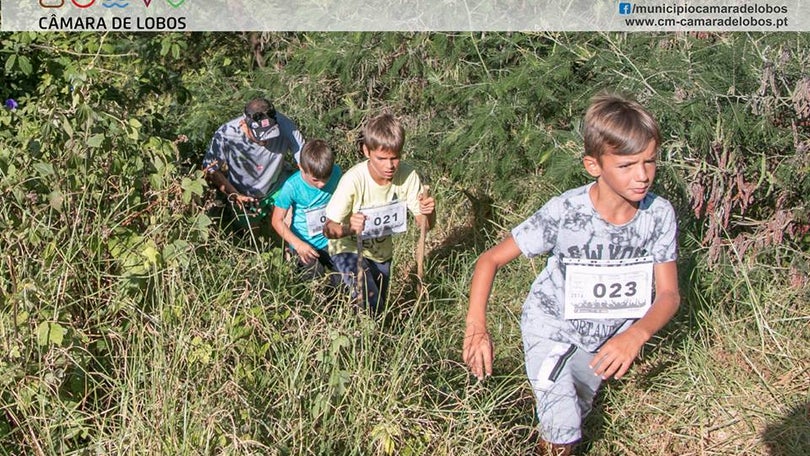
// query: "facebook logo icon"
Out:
[625,8]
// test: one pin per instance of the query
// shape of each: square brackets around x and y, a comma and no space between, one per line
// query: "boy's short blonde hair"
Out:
[384,132]
[317,159]
[618,125]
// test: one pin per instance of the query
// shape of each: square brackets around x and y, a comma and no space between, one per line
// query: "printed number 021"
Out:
[600,290]
[384,220]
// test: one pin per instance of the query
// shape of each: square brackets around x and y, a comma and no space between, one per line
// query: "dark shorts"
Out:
[376,278]
[318,269]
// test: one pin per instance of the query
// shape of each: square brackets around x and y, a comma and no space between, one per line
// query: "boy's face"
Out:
[626,176]
[382,164]
[312,180]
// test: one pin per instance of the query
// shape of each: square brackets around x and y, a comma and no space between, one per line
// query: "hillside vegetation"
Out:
[132,323]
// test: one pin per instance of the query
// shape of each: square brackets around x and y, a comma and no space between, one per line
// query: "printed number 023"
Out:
[601,289]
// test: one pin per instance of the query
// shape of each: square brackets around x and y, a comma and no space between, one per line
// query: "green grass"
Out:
[248,362]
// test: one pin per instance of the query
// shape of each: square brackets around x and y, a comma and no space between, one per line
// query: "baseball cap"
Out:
[262,123]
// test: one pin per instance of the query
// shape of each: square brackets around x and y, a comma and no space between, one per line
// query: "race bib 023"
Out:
[608,289]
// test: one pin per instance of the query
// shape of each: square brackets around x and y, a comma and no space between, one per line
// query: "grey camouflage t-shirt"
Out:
[569,226]
[253,169]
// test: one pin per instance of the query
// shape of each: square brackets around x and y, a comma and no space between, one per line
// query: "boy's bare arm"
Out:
[335,230]
[303,249]
[477,352]
[618,353]
[221,183]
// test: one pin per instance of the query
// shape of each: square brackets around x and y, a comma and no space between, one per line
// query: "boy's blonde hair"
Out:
[619,125]
[317,159]
[384,132]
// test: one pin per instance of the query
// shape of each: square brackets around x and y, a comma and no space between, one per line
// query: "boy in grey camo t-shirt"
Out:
[246,159]
[610,281]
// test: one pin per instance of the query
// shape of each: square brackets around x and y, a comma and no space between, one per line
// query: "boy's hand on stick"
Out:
[241,199]
[477,352]
[357,222]
[426,204]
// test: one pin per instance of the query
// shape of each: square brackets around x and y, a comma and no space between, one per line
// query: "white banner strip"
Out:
[404,15]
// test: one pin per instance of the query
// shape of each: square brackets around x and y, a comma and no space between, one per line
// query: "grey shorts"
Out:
[563,384]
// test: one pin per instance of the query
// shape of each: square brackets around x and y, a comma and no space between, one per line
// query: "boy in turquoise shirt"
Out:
[306,193]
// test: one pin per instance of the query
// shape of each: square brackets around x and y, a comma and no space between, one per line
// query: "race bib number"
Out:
[316,219]
[384,220]
[607,289]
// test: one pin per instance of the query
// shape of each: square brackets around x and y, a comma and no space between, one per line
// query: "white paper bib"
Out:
[385,220]
[316,218]
[608,289]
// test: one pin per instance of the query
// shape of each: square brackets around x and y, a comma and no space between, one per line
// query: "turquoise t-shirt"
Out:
[301,197]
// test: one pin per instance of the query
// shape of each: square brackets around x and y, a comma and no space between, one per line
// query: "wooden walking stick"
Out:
[420,247]
[360,279]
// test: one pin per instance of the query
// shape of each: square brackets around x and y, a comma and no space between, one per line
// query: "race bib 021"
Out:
[608,289]
[384,220]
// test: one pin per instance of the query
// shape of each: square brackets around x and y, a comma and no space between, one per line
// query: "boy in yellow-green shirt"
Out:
[370,202]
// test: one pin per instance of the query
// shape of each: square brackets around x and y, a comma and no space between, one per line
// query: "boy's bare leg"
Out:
[552,449]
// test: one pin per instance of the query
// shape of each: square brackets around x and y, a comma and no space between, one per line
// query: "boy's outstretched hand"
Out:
[477,343]
[618,353]
[241,199]
[477,352]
